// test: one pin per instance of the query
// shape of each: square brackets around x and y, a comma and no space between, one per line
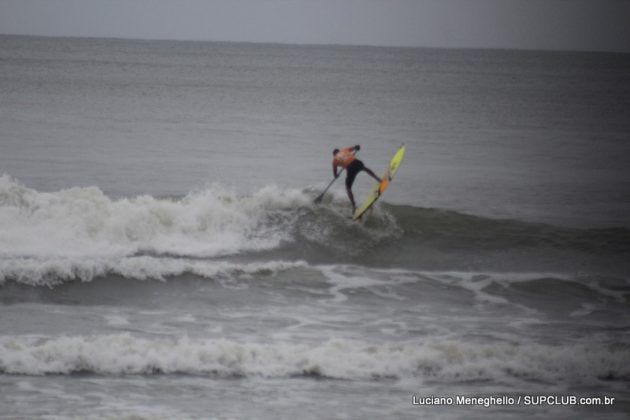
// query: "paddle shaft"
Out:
[321,196]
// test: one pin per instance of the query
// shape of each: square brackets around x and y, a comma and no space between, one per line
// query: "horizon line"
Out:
[306,44]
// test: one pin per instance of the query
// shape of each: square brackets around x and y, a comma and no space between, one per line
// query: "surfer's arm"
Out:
[334,166]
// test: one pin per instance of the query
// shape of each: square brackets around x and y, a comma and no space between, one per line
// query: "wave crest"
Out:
[122,354]
[85,222]
[50,272]
[71,226]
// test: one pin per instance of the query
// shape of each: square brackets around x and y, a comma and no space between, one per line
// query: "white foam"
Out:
[121,354]
[185,318]
[477,282]
[115,320]
[345,278]
[84,222]
[585,310]
[346,281]
[35,271]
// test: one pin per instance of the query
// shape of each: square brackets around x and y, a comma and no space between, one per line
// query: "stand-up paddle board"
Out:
[378,189]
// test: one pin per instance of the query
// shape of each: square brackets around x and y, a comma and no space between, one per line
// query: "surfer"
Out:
[346,159]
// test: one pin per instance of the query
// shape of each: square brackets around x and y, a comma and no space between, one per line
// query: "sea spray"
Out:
[124,353]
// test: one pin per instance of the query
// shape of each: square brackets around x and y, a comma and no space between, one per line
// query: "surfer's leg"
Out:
[351,197]
[372,174]
[350,176]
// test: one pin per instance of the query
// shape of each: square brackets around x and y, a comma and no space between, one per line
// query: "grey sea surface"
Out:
[161,255]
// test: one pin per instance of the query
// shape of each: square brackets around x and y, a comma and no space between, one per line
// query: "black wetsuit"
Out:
[352,170]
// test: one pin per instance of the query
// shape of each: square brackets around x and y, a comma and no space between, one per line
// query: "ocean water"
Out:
[161,255]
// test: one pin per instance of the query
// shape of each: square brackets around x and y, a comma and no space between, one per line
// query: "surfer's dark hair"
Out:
[335,152]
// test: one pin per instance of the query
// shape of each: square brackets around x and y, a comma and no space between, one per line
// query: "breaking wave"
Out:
[81,233]
[80,222]
[124,354]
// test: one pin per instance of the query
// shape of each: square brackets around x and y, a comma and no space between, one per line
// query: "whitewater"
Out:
[161,254]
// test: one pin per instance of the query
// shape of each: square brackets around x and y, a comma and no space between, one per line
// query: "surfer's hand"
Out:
[357,147]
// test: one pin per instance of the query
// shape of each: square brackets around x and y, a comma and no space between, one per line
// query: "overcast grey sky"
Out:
[531,24]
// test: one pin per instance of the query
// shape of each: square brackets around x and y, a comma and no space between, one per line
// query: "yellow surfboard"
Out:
[378,189]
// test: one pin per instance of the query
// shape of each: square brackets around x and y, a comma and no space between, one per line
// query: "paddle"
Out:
[321,196]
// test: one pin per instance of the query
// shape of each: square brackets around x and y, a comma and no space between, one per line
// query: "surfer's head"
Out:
[335,152]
